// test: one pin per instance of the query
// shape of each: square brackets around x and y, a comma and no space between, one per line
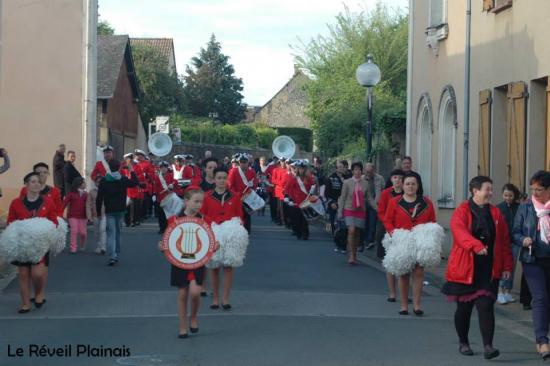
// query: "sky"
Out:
[255,34]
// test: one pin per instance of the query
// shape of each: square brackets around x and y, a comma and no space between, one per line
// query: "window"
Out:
[1,22]
[438,13]
[447,122]
[496,6]
[424,131]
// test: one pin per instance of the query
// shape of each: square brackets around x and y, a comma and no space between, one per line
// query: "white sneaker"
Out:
[501,299]
[509,298]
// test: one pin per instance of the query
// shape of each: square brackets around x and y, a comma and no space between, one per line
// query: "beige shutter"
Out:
[488,5]
[484,132]
[516,133]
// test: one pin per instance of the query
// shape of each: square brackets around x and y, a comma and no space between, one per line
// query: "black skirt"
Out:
[45,258]
[179,277]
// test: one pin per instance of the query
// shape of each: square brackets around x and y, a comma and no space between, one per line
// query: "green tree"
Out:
[161,90]
[212,87]
[336,102]
[104,28]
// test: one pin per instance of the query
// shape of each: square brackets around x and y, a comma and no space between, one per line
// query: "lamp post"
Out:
[368,75]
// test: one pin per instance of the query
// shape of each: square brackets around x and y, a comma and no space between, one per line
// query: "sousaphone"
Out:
[283,146]
[160,144]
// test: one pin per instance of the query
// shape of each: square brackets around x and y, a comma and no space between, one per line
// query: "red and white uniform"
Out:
[53,195]
[158,188]
[193,173]
[236,183]
[295,191]
[398,217]
[178,171]
[18,210]
[133,192]
[219,209]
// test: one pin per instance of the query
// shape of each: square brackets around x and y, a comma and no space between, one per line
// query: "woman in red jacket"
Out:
[396,190]
[43,171]
[480,257]
[405,212]
[33,204]
[220,204]
[299,188]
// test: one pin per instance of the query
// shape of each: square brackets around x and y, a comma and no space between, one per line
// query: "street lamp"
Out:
[368,75]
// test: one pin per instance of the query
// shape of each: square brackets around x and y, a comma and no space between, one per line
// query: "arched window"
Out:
[447,122]
[424,125]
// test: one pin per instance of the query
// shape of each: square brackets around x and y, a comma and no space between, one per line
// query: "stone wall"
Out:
[220,151]
[287,107]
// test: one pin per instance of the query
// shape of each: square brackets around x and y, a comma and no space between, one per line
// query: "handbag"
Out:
[341,235]
[527,256]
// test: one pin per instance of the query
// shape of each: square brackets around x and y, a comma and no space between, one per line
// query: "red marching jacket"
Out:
[193,173]
[235,181]
[461,260]
[215,211]
[385,198]
[53,194]
[159,189]
[18,210]
[134,192]
[397,217]
[294,191]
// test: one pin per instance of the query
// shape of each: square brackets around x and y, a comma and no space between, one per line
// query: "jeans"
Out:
[538,277]
[370,228]
[508,284]
[114,221]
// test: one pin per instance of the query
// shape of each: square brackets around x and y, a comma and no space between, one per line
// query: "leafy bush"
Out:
[303,137]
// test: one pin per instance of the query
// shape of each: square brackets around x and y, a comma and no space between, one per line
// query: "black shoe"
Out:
[404,312]
[226,306]
[203,294]
[465,349]
[102,251]
[490,352]
[214,307]
[545,355]
[418,312]
[391,299]
[194,330]
[112,262]
[39,304]
[24,311]
[184,335]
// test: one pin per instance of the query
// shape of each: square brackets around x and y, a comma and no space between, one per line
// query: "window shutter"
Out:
[548,125]
[516,133]
[484,132]
[488,5]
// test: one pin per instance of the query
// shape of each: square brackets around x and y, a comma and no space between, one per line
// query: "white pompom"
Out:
[233,239]
[27,240]
[59,244]
[400,256]
[428,239]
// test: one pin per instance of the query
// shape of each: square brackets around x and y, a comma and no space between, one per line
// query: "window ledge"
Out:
[502,7]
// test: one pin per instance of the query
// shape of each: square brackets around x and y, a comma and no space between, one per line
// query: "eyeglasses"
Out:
[537,190]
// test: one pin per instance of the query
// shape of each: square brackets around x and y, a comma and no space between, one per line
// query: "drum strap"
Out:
[106,166]
[302,186]
[162,181]
[244,179]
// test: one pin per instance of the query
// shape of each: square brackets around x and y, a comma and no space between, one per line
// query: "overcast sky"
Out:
[255,34]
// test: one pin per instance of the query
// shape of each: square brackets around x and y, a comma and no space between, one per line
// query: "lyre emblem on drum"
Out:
[189,243]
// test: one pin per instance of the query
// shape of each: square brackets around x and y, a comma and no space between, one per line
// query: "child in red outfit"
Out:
[75,202]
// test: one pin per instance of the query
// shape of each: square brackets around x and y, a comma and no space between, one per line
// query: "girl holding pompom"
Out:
[221,205]
[406,212]
[188,282]
[31,205]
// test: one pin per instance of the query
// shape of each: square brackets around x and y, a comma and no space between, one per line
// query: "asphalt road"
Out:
[294,303]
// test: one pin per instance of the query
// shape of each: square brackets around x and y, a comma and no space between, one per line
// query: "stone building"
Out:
[287,107]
